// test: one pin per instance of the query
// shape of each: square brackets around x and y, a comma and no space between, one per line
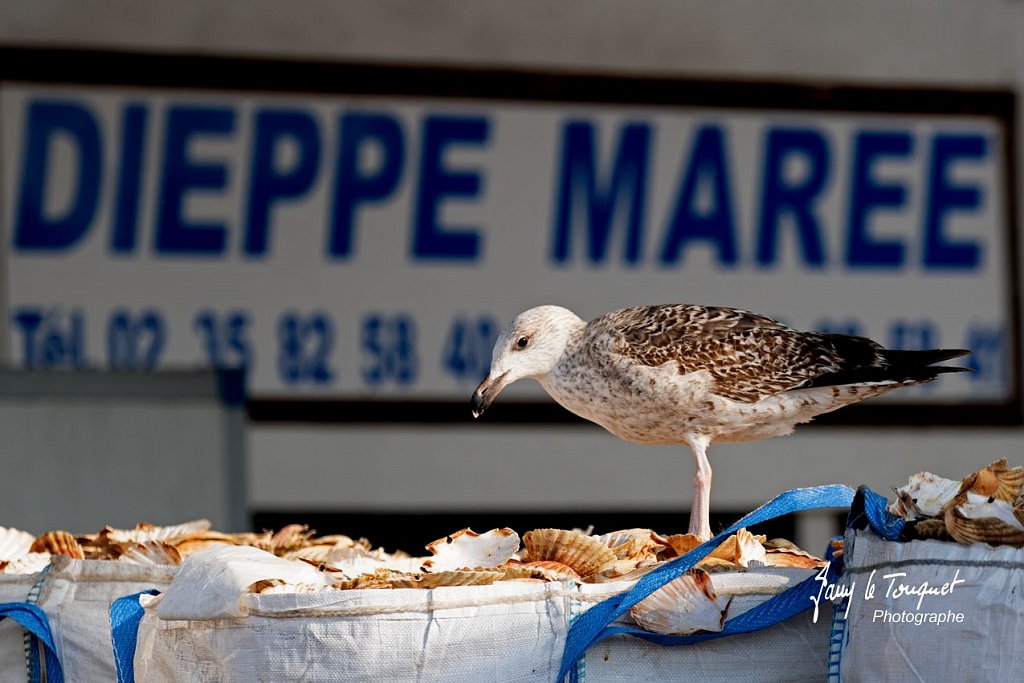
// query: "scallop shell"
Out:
[151,554]
[288,538]
[29,563]
[58,543]
[552,570]
[313,553]
[964,498]
[930,528]
[14,543]
[264,585]
[685,605]
[998,480]
[322,567]
[468,549]
[990,522]
[375,580]
[585,554]
[1018,508]
[780,544]
[905,506]
[680,544]
[279,586]
[631,544]
[925,494]
[715,565]
[741,549]
[191,546]
[514,571]
[357,560]
[991,508]
[792,557]
[621,570]
[256,540]
[614,571]
[446,578]
[148,532]
[337,541]
[100,547]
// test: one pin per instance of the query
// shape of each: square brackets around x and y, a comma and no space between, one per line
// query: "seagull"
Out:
[694,376]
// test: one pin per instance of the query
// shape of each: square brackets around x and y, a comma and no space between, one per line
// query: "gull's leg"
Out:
[700,513]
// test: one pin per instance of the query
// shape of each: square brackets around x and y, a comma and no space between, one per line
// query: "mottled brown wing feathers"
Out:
[748,356]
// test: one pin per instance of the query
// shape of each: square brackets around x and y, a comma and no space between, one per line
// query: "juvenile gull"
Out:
[696,375]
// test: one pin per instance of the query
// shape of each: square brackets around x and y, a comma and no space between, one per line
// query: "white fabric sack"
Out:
[508,631]
[76,597]
[894,639]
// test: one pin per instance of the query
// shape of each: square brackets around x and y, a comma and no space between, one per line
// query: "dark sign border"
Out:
[118,68]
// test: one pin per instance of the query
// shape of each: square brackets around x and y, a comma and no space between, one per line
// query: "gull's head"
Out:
[528,347]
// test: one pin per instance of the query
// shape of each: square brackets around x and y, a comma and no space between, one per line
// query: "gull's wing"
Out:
[748,356]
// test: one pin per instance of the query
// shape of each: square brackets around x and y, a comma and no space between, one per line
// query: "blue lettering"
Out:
[174,234]
[601,202]
[29,321]
[126,207]
[944,197]
[866,195]
[51,339]
[268,184]
[46,119]
[782,196]
[708,160]
[988,356]
[353,187]
[135,342]
[432,240]
[305,348]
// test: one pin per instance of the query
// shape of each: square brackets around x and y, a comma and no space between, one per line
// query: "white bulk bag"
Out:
[970,633]
[75,595]
[507,631]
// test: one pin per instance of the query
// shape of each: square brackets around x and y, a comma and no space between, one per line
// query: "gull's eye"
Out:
[522,342]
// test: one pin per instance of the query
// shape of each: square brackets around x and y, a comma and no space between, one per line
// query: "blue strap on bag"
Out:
[593,625]
[871,510]
[31,618]
[125,615]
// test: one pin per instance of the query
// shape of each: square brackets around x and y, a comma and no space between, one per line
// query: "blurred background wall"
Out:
[349,199]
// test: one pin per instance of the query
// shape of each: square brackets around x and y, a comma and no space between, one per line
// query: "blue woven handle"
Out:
[872,510]
[31,618]
[593,625]
[125,615]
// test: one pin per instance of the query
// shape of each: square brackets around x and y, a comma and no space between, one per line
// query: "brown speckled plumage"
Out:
[749,356]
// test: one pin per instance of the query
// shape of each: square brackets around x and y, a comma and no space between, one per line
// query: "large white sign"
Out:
[356,246]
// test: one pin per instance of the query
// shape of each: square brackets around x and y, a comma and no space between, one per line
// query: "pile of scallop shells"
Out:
[146,544]
[987,506]
[464,558]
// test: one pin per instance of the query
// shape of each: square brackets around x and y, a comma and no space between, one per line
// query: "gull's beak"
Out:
[487,392]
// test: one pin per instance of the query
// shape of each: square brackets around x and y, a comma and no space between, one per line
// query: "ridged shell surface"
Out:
[683,606]
[585,554]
